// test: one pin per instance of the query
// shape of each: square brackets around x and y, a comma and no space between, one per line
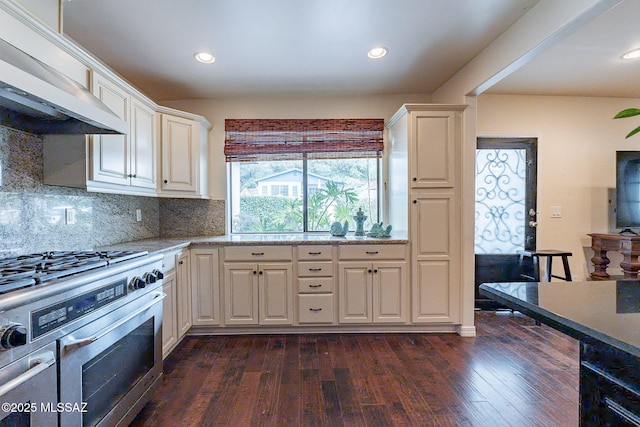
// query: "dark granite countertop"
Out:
[598,311]
[160,244]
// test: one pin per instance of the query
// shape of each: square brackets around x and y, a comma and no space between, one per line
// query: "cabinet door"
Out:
[435,280]
[180,154]
[169,326]
[183,292]
[275,293]
[390,292]
[433,136]
[109,154]
[241,293]
[205,287]
[143,145]
[354,284]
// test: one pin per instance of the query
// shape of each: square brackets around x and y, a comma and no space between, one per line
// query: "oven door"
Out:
[28,390]
[109,367]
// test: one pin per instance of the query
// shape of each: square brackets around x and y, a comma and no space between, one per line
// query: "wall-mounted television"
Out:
[628,189]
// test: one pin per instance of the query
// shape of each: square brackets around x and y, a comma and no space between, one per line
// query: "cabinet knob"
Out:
[260,273]
[415,179]
[375,270]
[255,272]
[415,201]
[180,262]
[165,181]
[369,271]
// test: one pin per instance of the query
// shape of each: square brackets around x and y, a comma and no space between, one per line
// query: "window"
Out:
[308,189]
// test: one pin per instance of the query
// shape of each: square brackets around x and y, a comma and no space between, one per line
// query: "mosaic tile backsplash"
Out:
[36,217]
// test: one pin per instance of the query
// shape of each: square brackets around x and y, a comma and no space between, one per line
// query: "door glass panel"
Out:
[111,374]
[500,201]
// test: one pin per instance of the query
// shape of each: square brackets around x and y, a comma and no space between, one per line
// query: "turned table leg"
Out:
[630,264]
[600,263]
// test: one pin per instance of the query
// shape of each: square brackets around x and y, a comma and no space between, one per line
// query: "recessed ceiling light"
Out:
[632,54]
[377,52]
[204,57]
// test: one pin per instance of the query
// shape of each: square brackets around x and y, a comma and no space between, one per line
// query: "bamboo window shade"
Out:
[295,139]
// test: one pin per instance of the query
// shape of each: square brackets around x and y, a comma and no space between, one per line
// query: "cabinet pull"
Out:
[315,286]
[415,201]
[622,412]
[260,272]
[165,181]
[372,252]
[415,179]
[180,262]
[315,310]
[315,269]
[375,270]
[257,253]
[255,272]
[315,253]
[369,271]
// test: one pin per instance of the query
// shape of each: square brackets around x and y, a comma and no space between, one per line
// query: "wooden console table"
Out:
[627,245]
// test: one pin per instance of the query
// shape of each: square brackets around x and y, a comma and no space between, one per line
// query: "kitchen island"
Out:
[605,317]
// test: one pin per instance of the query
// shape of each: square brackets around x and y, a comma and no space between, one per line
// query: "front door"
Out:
[505,209]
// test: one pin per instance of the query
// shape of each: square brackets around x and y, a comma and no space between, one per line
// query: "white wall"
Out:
[217,110]
[577,141]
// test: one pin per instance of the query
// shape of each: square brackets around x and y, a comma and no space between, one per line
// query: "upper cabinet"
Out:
[123,163]
[184,155]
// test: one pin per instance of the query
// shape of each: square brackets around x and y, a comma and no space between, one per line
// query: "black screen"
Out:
[628,189]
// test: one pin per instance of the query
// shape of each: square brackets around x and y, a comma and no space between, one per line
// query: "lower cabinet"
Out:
[169,316]
[372,292]
[258,294]
[176,284]
[205,298]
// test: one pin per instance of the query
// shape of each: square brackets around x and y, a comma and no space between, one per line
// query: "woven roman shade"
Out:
[294,139]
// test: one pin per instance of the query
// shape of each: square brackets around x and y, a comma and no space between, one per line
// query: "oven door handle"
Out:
[41,363]
[74,343]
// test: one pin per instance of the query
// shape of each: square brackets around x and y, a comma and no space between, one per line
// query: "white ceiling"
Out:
[306,47]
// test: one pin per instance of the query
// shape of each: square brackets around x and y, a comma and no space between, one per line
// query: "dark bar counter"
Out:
[605,317]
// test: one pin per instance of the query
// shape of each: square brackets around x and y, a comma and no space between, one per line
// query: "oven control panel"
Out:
[54,316]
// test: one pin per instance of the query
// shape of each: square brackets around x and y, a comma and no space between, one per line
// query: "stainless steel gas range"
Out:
[80,337]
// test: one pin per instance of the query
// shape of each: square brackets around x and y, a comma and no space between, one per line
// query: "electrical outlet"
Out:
[69,216]
[556,212]
[138,215]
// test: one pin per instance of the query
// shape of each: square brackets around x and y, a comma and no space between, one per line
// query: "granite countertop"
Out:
[602,311]
[161,244]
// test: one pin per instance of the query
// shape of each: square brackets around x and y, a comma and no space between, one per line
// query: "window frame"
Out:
[304,195]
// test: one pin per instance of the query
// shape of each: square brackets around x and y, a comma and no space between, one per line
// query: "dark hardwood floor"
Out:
[514,373]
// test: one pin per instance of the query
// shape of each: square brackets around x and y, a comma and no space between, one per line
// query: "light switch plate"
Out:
[556,212]
[138,215]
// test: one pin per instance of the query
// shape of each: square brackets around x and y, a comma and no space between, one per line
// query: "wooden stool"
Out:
[550,254]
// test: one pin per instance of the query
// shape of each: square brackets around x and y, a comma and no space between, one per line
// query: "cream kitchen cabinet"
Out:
[123,163]
[316,283]
[184,157]
[205,287]
[372,284]
[424,180]
[258,293]
[176,319]
[184,297]
[169,314]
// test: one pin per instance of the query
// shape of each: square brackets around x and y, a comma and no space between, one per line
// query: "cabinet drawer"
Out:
[315,309]
[315,269]
[315,285]
[312,253]
[169,261]
[363,252]
[258,253]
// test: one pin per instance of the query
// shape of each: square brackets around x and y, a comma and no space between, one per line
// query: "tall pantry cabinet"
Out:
[424,187]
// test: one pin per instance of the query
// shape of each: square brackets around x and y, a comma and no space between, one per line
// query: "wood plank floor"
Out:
[514,373]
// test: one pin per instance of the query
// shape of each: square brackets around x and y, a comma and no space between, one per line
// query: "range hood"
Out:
[36,98]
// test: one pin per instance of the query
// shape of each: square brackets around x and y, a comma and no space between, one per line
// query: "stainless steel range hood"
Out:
[38,99]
